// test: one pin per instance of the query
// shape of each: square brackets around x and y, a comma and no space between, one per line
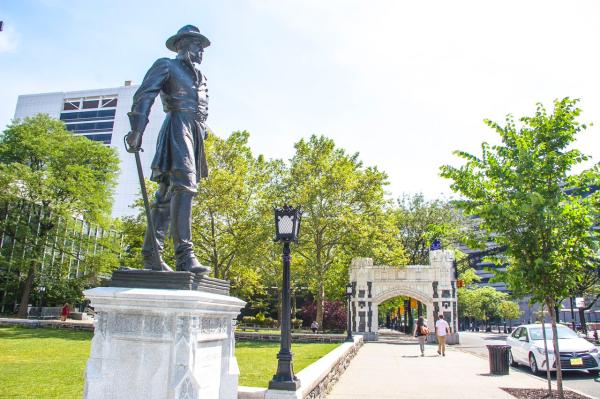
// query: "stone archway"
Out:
[434,285]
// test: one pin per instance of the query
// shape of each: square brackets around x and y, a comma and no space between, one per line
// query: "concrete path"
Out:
[381,371]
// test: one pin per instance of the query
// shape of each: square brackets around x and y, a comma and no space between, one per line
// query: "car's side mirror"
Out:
[524,339]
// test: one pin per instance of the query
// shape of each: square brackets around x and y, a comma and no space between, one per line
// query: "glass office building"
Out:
[101,115]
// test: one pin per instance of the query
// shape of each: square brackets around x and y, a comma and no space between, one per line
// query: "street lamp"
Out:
[349,296]
[287,227]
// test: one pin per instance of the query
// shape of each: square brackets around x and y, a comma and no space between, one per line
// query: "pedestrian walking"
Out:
[441,330]
[64,312]
[421,332]
[314,326]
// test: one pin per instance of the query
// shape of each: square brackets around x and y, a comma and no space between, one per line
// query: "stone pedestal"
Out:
[162,344]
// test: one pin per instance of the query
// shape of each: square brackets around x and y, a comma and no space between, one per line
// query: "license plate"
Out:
[577,361]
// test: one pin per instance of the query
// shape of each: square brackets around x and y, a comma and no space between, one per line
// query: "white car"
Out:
[527,347]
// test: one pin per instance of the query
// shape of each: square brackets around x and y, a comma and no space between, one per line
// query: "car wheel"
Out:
[511,361]
[533,364]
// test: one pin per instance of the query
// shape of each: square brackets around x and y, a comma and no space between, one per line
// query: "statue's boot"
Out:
[161,217]
[181,230]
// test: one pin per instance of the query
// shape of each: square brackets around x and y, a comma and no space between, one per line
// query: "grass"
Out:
[42,363]
[49,363]
[258,361]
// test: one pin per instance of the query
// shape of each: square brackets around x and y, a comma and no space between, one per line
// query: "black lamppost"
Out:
[349,296]
[287,227]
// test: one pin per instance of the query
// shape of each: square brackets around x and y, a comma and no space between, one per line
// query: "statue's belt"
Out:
[197,113]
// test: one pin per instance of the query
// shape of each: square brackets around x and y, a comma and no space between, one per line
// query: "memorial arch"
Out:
[434,285]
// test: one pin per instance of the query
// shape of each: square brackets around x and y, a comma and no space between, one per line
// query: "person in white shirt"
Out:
[441,330]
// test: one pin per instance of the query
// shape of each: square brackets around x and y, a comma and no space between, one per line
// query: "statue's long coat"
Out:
[184,95]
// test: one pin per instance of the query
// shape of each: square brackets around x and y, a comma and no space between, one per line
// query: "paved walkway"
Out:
[383,370]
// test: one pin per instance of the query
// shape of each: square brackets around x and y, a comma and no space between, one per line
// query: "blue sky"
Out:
[403,83]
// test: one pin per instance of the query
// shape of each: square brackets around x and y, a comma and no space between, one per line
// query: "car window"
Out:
[563,333]
[524,334]
[517,332]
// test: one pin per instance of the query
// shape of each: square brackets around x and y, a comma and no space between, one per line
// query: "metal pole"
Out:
[285,378]
[572,314]
[349,337]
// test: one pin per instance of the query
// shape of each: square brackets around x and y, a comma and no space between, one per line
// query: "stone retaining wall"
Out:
[30,323]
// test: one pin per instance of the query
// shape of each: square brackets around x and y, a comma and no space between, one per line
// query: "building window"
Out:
[90,104]
[71,105]
[98,117]
[109,102]
[87,115]
[90,127]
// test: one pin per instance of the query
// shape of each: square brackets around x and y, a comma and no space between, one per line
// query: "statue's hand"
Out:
[134,140]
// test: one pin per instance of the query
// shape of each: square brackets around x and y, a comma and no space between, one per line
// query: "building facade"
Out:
[101,115]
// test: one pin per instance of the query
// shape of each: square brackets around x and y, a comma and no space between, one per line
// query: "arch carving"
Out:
[433,285]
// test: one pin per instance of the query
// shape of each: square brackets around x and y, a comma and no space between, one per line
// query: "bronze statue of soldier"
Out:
[180,161]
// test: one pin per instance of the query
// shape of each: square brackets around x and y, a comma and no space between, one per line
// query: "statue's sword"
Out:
[138,163]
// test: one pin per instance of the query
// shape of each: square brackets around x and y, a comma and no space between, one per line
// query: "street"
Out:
[475,343]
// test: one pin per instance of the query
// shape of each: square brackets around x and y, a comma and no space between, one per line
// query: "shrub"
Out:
[334,315]
[260,318]
[249,320]
[272,323]
[296,323]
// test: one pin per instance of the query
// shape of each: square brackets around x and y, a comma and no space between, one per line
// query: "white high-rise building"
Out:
[101,115]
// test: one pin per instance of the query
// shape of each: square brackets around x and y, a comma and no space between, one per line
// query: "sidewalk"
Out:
[381,371]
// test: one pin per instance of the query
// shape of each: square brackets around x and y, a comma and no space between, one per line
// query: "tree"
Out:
[57,176]
[420,222]
[344,211]
[525,193]
[233,215]
[509,310]
[588,286]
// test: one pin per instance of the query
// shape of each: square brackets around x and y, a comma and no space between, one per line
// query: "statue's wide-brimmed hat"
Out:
[188,31]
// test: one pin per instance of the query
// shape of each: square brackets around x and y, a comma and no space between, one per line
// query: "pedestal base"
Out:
[159,344]
[284,385]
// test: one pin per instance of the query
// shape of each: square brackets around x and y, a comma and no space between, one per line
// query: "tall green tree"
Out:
[420,222]
[62,175]
[480,303]
[344,211]
[232,213]
[525,192]
[509,310]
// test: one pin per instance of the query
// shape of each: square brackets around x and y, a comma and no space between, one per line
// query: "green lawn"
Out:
[49,363]
[258,360]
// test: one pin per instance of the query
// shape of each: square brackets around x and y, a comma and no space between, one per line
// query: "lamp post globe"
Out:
[287,228]
[349,290]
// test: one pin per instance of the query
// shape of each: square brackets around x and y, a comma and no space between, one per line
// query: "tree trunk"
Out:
[559,386]
[582,320]
[27,291]
[548,376]
[320,299]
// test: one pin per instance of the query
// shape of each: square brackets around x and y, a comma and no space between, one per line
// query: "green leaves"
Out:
[41,162]
[50,178]
[525,194]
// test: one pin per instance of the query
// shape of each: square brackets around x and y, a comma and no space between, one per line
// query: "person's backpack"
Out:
[424,330]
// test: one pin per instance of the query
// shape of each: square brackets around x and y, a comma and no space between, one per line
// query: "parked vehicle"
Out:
[527,347]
